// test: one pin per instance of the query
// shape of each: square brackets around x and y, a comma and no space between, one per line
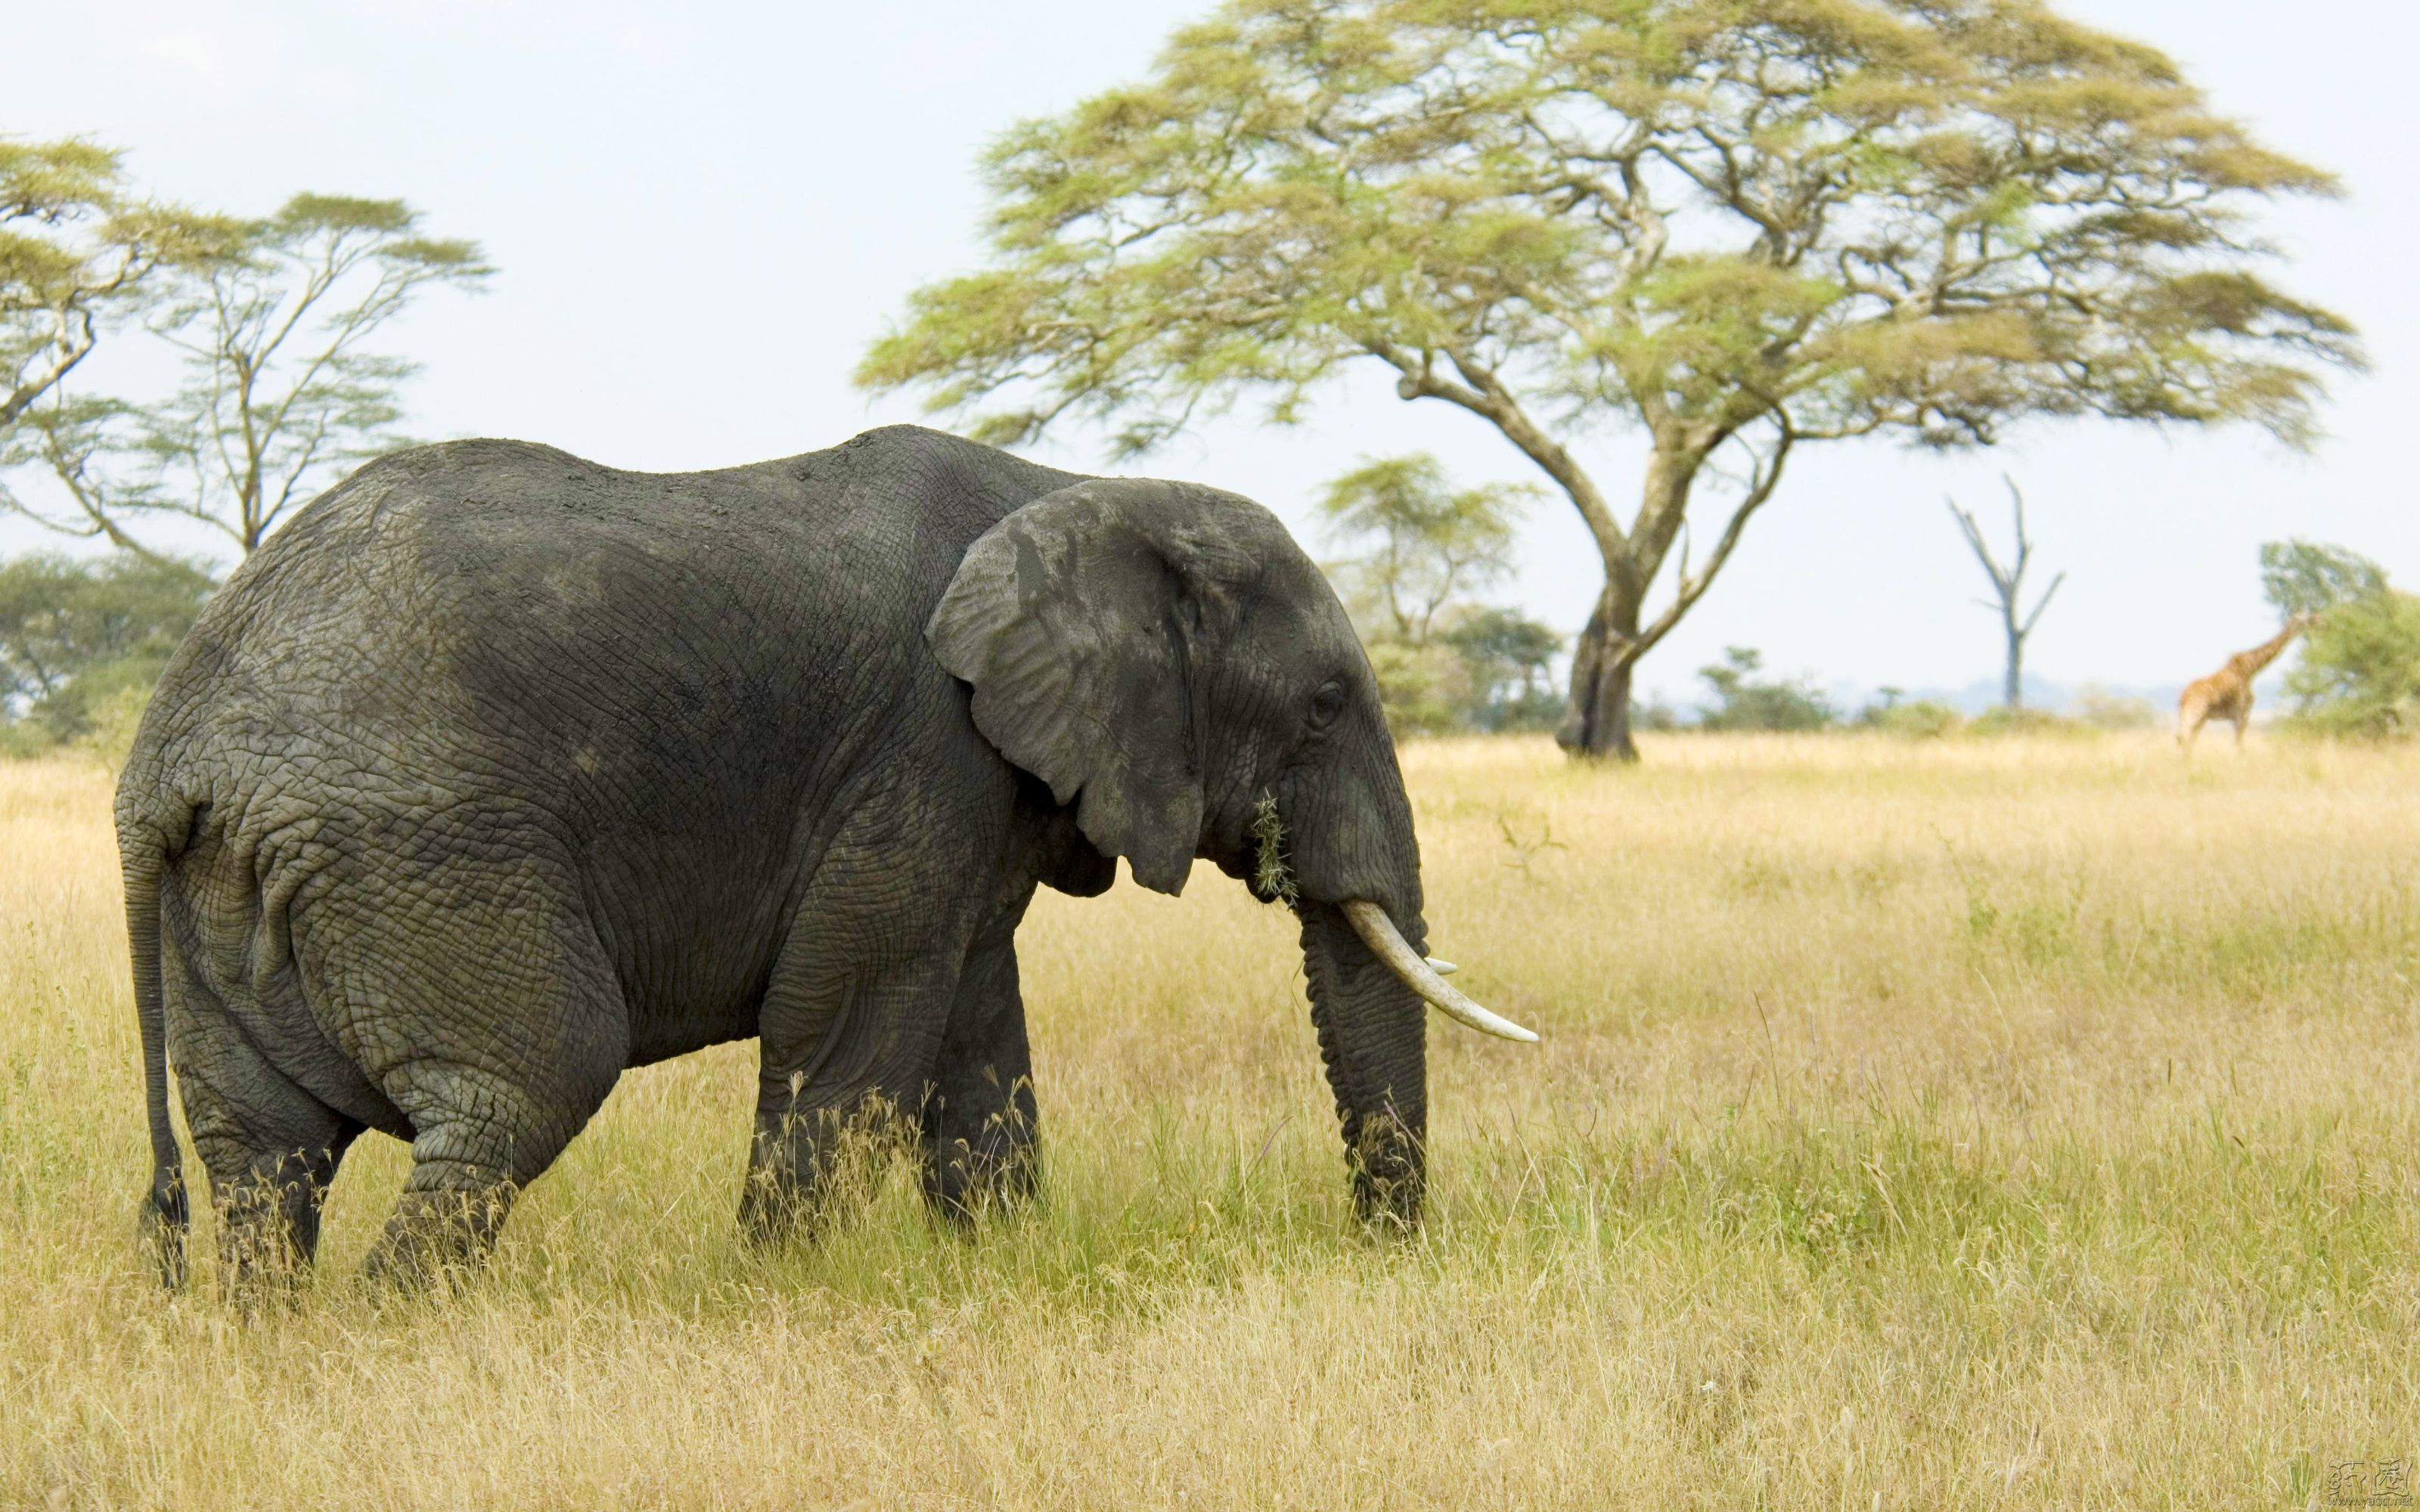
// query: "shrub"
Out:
[1743,702]
[1507,659]
[2359,673]
[2360,669]
[2104,710]
[2007,721]
[1922,719]
[1425,690]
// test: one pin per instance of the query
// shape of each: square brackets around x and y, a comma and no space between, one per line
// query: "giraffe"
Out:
[2226,693]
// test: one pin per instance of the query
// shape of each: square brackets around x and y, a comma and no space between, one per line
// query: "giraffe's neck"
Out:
[2250,662]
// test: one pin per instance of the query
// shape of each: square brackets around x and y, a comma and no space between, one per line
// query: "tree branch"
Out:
[1488,399]
[1690,589]
[2044,603]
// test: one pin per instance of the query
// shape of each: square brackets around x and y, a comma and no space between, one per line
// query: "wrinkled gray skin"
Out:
[497,772]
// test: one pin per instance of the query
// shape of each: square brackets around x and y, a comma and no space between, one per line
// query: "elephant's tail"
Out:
[164,1219]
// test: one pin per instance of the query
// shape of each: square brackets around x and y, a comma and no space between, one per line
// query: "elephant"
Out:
[497,772]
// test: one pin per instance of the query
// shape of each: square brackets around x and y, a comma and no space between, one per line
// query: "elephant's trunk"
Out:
[1337,839]
[1372,1035]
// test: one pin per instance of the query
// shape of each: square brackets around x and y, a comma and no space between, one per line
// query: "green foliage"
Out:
[1420,542]
[1425,690]
[2359,674]
[1271,876]
[77,252]
[81,642]
[2303,576]
[1304,183]
[279,395]
[1419,546]
[1734,226]
[1508,657]
[1743,702]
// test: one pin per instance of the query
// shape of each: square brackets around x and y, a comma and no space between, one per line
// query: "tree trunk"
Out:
[2016,684]
[1598,724]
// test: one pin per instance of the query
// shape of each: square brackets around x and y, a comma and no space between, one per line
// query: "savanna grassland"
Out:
[1950,1125]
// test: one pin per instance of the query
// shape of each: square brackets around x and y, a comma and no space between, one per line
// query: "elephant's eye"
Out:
[1326,704]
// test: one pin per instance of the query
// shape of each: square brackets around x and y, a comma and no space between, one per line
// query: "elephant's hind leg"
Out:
[480,1135]
[271,1147]
[269,1212]
[478,1140]
[489,1015]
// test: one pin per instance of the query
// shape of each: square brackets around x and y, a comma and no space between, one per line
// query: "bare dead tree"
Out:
[2007,586]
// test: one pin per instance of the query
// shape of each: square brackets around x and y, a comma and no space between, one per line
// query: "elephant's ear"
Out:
[1080,621]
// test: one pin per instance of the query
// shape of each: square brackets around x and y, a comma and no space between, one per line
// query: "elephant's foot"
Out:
[270,1154]
[441,1235]
[268,1231]
[810,1165]
[993,1168]
[964,1187]
[774,1209]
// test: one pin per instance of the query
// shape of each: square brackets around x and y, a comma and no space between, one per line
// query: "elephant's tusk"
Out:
[1387,944]
[1443,968]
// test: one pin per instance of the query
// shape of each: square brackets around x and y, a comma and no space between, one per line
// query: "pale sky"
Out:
[704,212]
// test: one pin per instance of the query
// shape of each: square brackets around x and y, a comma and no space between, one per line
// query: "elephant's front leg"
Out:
[978,1120]
[845,1065]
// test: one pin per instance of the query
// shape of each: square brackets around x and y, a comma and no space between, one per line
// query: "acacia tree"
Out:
[2008,589]
[1420,549]
[1424,542]
[2306,578]
[279,393]
[1741,227]
[2359,673]
[76,249]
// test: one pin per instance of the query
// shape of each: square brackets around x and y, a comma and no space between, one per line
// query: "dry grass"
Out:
[1963,1125]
